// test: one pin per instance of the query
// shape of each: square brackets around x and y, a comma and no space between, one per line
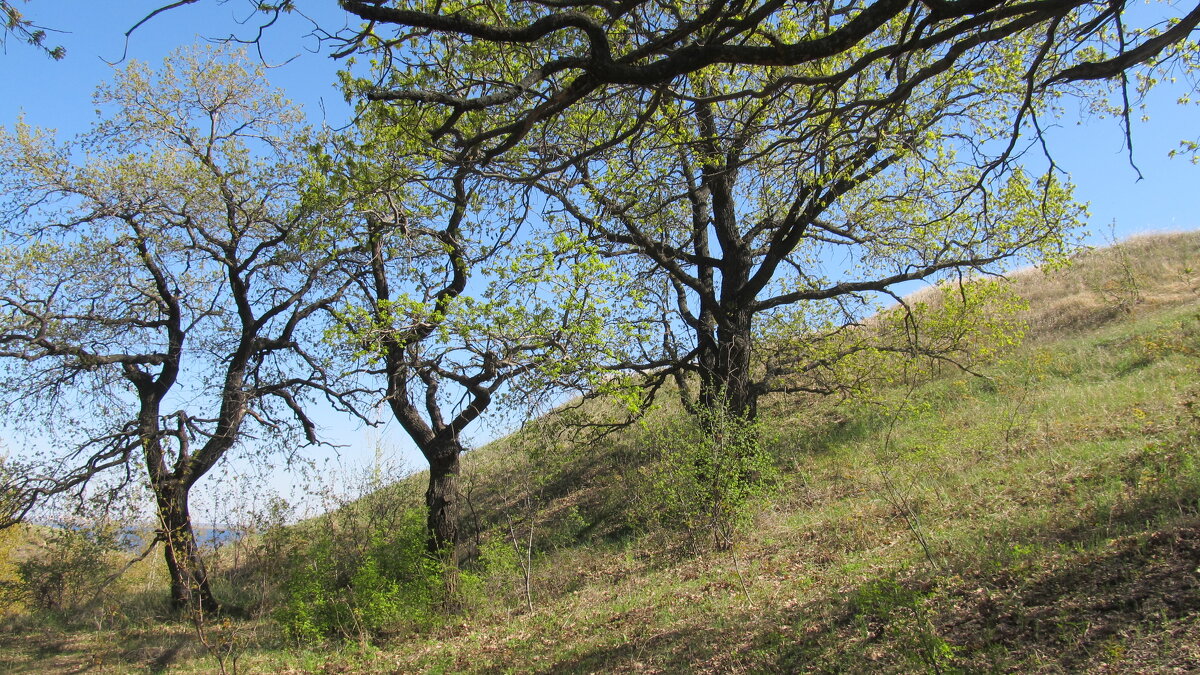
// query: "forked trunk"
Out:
[190,589]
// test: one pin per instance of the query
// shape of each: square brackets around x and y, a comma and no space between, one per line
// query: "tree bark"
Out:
[726,379]
[441,502]
[190,588]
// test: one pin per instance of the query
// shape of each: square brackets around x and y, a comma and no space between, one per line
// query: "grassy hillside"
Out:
[1044,518]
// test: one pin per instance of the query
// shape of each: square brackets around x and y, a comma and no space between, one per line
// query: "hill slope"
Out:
[1040,521]
[1045,518]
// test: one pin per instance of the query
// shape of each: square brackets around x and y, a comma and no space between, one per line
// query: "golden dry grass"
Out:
[1141,274]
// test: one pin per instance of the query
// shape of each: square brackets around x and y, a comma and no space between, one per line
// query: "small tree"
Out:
[451,309]
[156,294]
[707,471]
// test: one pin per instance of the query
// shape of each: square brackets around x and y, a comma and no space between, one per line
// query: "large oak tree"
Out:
[803,202]
[767,156]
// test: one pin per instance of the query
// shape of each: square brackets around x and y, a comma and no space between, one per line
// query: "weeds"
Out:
[885,609]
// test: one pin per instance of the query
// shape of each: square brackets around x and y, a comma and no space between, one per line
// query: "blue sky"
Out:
[58,95]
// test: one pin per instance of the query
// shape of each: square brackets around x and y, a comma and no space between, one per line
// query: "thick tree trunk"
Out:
[190,588]
[441,500]
[726,380]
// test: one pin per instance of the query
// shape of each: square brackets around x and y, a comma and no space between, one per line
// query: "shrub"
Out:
[341,587]
[69,570]
[708,469]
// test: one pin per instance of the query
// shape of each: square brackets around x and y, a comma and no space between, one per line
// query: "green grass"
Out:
[1044,519]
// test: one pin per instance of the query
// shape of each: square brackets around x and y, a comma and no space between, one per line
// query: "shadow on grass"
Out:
[153,648]
[1083,610]
[1090,600]
[675,651]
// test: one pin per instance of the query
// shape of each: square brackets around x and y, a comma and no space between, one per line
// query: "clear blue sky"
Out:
[58,95]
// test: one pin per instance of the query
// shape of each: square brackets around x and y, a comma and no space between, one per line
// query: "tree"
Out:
[160,295]
[744,209]
[736,151]
[451,308]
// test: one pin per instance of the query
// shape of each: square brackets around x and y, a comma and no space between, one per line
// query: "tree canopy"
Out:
[746,159]
[525,63]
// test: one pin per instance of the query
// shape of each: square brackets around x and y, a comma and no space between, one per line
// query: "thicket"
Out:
[704,474]
[354,580]
[88,570]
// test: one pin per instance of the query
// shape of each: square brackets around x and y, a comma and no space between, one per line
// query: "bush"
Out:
[339,586]
[69,570]
[708,470]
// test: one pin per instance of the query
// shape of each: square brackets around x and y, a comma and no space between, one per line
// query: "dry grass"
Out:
[1139,275]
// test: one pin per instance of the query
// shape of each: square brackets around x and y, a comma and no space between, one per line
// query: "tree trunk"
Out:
[441,500]
[189,579]
[726,381]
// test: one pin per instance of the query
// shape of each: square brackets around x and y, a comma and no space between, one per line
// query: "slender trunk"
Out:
[190,588]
